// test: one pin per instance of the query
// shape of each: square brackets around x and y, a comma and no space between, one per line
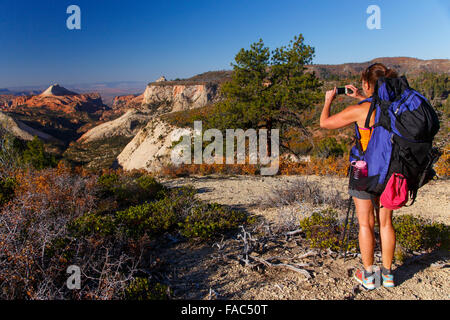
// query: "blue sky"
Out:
[141,40]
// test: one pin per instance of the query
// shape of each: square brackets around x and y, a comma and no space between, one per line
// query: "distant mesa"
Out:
[57,90]
[5,91]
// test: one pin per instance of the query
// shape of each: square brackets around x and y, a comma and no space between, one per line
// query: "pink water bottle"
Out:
[359,169]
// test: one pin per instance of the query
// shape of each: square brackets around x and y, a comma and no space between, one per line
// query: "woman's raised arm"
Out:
[341,119]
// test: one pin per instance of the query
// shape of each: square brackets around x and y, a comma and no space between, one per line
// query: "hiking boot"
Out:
[388,280]
[366,282]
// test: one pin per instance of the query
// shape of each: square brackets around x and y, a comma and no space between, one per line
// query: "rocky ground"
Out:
[210,271]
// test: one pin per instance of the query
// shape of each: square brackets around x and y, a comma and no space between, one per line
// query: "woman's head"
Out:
[370,76]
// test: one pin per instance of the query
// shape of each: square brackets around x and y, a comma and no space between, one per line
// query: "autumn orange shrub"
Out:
[45,201]
[316,166]
[103,224]
[171,170]
[442,166]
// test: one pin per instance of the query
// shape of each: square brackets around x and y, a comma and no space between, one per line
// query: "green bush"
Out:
[92,223]
[415,234]
[432,85]
[7,186]
[152,219]
[149,185]
[142,289]
[108,182]
[323,230]
[175,210]
[437,235]
[329,147]
[129,189]
[206,221]
[36,156]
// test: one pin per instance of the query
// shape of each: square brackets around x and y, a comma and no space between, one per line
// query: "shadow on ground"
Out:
[418,263]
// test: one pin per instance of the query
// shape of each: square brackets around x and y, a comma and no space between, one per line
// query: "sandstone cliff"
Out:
[122,104]
[151,148]
[21,130]
[181,95]
[126,125]
[127,102]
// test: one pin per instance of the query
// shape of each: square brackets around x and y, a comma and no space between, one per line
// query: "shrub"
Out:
[7,187]
[415,234]
[330,147]
[142,289]
[129,189]
[36,156]
[442,166]
[305,190]
[323,230]
[206,221]
[150,219]
[317,166]
[58,217]
[178,210]
[33,232]
[149,185]
[92,223]
[108,182]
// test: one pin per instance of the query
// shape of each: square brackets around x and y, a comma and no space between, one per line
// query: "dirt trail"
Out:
[200,268]
[248,192]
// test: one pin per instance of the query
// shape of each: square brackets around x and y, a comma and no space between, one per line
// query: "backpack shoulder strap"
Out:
[373,99]
[369,114]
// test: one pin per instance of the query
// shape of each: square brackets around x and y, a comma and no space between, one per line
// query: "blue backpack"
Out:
[401,140]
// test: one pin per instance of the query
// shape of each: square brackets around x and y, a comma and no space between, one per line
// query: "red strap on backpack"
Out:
[395,195]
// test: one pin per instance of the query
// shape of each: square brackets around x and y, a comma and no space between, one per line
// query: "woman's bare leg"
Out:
[387,235]
[366,220]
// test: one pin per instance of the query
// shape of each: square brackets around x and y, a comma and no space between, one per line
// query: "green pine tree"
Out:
[269,89]
[36,156]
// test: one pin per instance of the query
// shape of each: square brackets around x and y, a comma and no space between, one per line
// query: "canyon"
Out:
[131,132]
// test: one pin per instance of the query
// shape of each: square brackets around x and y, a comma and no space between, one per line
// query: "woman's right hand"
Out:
[355,92]
[330,95]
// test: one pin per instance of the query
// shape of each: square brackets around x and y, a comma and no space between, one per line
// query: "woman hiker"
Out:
[363,203]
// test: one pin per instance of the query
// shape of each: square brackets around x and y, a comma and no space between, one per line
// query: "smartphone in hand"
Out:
[343,90]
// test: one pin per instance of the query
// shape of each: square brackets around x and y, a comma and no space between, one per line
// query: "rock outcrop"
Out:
[6,100]
[126,125]
[121,104]
[21,130]
[57,90]
[126,102]
[151,148]
[181,95]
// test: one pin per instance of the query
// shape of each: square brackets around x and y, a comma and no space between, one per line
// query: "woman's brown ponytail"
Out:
[376,71]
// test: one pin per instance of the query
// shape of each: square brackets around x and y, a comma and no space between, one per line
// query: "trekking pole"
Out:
[349,230]
[346,224]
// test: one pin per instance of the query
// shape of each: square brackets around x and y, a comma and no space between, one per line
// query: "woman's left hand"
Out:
[330,95]
[355,93]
